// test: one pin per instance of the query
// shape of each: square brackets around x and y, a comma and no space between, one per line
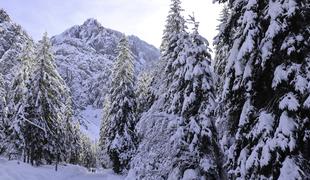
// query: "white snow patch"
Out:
[92,118]
[265,123]
[15,170]
[289,102]
[190,174]
[265,156]
[253,159]
[280,74]
[242,161]
[207,164]
[246,110]
[307,103]
[285,132]
[286,125]
[290,170]
[301,84]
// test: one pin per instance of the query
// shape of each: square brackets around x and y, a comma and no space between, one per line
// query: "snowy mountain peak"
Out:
[90,29]
[92,22]
[92,35]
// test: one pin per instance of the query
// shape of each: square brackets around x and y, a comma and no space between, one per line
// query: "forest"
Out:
[241,111]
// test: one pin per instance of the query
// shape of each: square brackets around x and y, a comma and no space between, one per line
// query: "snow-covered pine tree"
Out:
[47,107]
[74,147]
[2,93]
[266,90]
[104,158]
[175,23]
[170,47]
[191,96]
[172,41]
[88,154]
[144,95]
[120,135]
[222,44]
[17,106]
[73,143]
[2,113]
[72,135]
[13,40]
[179,140]
[2,97]
[78,146]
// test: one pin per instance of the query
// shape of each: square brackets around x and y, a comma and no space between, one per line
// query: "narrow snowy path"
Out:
[13,170]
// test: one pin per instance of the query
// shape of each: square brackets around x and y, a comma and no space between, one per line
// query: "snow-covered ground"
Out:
[14,170]
[91,118]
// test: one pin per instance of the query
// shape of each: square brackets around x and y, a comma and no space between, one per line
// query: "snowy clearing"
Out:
[12,170]
[91,118]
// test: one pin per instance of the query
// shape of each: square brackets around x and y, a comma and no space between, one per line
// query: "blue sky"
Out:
[144,18]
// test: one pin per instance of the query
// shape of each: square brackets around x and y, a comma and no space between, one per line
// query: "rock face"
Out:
[84,55]
[12,41]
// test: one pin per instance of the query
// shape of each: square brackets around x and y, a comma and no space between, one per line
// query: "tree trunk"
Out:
[57,161]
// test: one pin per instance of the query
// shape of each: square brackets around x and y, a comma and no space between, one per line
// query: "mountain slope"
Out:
[84,55]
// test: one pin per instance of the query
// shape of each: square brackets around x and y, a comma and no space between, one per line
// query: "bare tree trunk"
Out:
[57,161]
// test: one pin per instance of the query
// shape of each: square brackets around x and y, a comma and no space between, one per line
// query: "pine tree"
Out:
[47,108]
[13,41]
[104,158]
[120,136]
[191,96]
[222,44]
[265,97]
[173,41]
[72,137]
[175,24]
[2,113]
[2,97]
[179,139]
[73,143]
[171,46]
[18,95]
[144,93]
[88,155]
